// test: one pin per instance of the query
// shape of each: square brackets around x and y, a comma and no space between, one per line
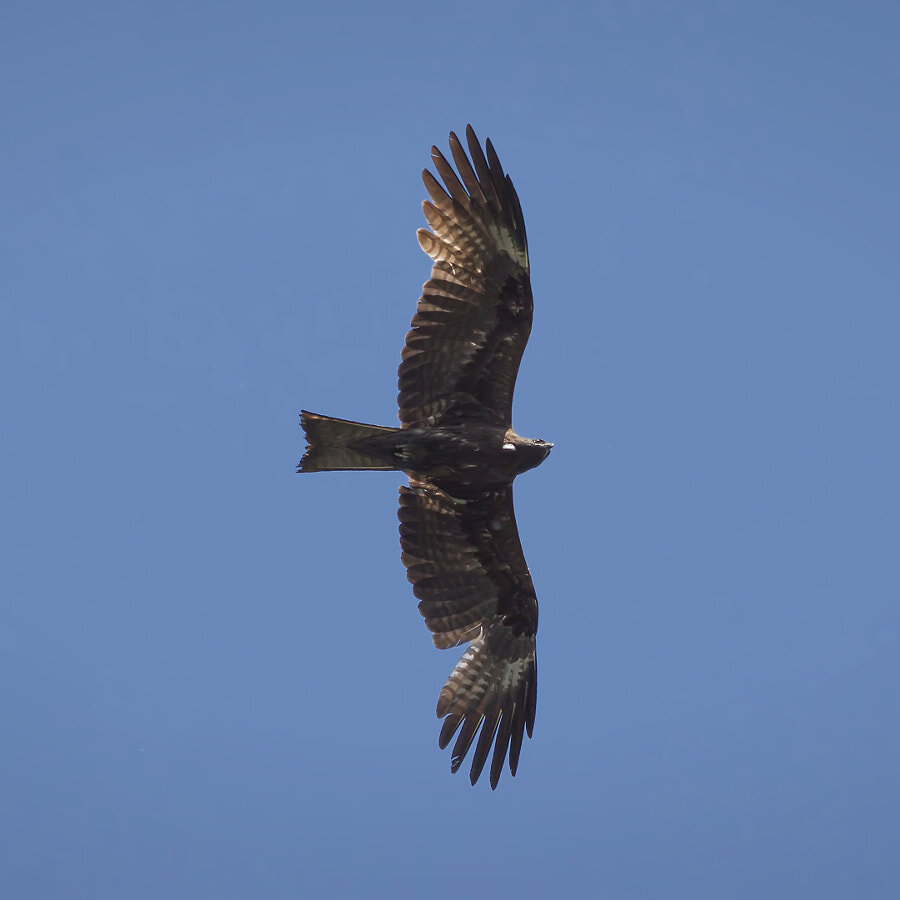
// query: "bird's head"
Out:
[531,451]
[544,446]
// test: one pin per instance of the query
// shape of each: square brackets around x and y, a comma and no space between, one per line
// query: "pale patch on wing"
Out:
[493,688]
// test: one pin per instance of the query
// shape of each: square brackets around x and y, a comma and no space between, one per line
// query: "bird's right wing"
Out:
[467,568]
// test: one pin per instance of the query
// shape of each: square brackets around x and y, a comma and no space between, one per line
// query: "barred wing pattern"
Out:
[465,562]
[463,350]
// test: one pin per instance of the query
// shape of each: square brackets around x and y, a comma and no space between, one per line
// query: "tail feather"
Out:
[337,444]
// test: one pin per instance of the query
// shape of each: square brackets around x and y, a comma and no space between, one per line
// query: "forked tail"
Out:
[336,444]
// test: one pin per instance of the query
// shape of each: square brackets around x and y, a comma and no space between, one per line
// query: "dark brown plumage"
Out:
[456,443]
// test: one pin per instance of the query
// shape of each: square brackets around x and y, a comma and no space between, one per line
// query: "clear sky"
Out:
[215,680]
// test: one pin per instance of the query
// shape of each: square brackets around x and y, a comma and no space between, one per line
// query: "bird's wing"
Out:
[463,350]
[467,568]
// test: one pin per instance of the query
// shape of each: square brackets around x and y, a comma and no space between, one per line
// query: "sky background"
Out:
[215,680]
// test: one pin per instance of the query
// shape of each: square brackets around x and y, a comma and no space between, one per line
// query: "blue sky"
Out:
[216,682]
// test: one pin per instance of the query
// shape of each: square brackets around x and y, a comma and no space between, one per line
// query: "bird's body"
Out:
[456,443]
[459,457]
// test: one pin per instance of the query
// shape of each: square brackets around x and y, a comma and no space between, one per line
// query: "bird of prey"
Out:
[456,444]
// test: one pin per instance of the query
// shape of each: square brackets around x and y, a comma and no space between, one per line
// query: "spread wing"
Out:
[465,562]
[463,350]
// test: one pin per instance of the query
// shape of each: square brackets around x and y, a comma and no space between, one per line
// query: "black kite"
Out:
[456,443]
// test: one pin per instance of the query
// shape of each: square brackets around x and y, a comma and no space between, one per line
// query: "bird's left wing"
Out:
[463,350]
[467,568]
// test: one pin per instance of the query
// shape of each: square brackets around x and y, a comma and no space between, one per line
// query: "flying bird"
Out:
[458,534]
